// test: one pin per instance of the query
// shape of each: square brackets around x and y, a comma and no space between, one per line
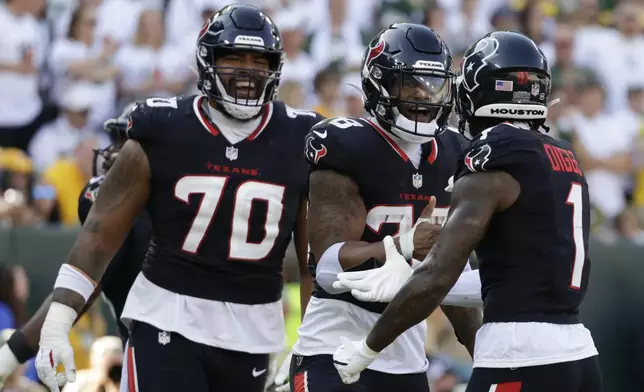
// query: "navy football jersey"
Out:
[222,214]
[394,191]
[533,258]
[126,264]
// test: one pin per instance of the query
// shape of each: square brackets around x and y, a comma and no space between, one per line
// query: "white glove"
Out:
[55,347]
[281,378]
[8,363]
[351,358]
[272,370]
[379,284]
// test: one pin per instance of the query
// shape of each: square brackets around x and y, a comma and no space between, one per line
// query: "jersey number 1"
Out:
[576,201]
[212,188]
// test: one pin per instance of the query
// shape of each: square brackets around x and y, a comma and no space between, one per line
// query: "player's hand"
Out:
[426,232]
[417,242]
[55,348]
[351,358]
[379,284]
[8,363]
[281,378]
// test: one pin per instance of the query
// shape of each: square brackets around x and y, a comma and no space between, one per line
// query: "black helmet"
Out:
[117,129]
[504,75]
[408,79]
[236,28]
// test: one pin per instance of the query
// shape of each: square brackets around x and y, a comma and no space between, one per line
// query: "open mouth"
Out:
[419,114]
[245,89]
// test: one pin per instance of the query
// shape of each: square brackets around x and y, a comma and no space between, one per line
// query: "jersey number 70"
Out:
[212,188]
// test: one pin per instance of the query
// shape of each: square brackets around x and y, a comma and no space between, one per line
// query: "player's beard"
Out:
[244,87]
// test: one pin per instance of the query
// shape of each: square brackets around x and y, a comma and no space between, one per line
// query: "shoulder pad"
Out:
[324,148]
[150,114]
[497,148]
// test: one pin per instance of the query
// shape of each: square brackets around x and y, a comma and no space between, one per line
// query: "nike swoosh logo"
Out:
[320,134]
[258,373]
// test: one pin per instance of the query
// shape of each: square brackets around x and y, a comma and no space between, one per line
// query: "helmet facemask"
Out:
[414,103]
[241,91]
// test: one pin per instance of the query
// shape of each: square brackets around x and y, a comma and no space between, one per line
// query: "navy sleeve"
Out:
[324,149]
[497,149]
[142,123]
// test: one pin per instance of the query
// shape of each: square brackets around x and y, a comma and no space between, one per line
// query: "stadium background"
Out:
[67,65]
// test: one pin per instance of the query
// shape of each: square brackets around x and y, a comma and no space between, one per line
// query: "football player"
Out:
[120,274]
[372,179]
[520,200]
[223,179]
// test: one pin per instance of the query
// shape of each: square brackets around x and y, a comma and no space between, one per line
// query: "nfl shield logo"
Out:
[417,180]
[231,153]
[164,338]
[535,89]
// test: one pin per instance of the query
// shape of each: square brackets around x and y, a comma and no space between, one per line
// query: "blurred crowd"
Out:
[68,65]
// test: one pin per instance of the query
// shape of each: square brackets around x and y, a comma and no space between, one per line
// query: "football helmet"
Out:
[504,76]
[117,129]
[408,81]
[239,28]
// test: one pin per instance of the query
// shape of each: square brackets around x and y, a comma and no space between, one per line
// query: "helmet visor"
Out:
[419,96]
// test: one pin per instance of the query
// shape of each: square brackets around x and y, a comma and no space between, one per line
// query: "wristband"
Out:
[406,240]
[17,343]
[72,278]
[367,351]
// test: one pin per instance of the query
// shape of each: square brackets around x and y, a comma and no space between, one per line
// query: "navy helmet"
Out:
[239,28]
[408,81]
[504,76]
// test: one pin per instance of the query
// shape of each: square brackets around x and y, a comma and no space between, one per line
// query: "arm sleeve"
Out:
[328,268]
[141,124]
[466,292]
[496,150]
[324,150]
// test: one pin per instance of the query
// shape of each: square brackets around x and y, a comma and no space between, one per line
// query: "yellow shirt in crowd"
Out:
[68,180]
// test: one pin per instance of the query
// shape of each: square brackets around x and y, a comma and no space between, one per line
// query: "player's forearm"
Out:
[354,253]
[466,322]
[415,301]
[31,330]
